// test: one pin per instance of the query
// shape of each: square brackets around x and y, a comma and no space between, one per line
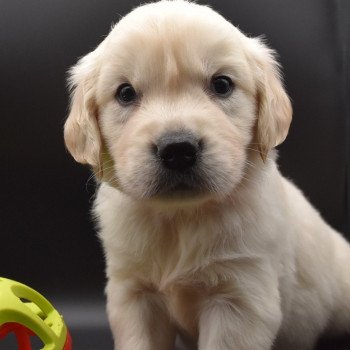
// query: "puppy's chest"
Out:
[165,254]
[168,251]
[174,257]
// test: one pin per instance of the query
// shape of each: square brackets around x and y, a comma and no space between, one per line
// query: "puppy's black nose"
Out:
[178,151]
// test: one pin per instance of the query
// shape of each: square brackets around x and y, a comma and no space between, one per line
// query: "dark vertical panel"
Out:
[343,29]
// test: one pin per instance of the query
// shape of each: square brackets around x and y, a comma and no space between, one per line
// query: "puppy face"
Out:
[170,102]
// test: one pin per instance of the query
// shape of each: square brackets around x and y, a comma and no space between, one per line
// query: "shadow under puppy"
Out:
[178,113]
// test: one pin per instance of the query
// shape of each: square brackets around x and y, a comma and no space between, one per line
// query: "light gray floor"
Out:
[87,322]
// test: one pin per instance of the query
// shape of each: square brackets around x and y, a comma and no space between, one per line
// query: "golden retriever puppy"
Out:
[178,112]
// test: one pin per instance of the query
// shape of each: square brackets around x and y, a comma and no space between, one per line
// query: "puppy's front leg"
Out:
[231,323]
[138,318]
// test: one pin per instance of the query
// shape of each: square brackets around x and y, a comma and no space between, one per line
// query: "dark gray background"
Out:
[47,237]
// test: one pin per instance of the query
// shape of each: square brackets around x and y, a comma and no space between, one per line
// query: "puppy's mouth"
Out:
[181,189]
[172,186]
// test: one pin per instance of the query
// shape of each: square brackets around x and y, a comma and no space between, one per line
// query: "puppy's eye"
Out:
[222,85]
[126,94]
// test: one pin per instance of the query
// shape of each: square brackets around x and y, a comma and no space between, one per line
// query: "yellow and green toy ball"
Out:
[25,312]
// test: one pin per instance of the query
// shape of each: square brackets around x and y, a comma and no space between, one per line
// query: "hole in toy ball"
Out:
[36,343]
[24,300]
[16,336]
[9,342]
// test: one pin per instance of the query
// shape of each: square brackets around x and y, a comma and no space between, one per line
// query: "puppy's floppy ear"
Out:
[81,130]
[273,104]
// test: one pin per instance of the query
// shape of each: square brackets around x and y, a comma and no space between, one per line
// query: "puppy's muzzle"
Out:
[179,170]
[178,151]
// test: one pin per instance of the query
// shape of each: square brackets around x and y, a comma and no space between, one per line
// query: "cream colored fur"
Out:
[249,263]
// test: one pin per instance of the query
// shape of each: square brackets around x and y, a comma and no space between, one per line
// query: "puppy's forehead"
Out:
[172,39]
[173,15]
